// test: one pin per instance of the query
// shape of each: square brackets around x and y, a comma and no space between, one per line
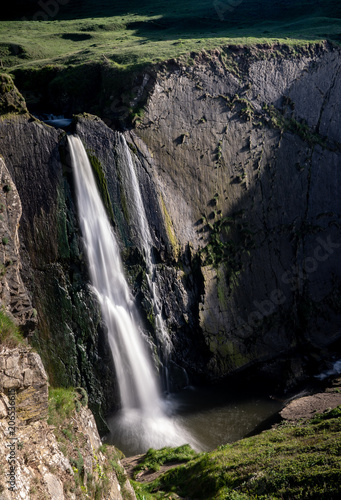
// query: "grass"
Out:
[154,459]
[129,36]
[10,335]
[61,405]
[291,461]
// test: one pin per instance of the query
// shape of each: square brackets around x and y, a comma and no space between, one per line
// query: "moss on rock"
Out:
[11,101]
[101,184]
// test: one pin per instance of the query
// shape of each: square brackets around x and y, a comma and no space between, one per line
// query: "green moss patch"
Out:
[11,101]
[292,125]
[101,184]
[229,239]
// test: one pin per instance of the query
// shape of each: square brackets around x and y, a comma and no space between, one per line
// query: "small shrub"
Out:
[78,464]
[82,396]
[61,404]
[4,240]
[67,433]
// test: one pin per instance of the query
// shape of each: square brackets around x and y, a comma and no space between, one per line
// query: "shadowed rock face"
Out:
[49,260]
[13,294]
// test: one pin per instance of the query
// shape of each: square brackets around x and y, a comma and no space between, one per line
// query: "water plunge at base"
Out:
[144,418]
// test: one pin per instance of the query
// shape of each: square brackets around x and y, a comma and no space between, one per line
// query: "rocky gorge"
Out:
[237,154]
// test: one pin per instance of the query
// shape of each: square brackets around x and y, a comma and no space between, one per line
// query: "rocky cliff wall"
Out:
[13,294]
[39,460]
[244,147]
[237,155]
[110,153]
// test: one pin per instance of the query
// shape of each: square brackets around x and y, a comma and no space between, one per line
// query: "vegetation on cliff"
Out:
[83,56]
[299,460]
[93,467]
[10,335]
[11,101]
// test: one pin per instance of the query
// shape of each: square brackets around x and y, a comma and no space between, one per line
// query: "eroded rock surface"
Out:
[42,465]
[13,294]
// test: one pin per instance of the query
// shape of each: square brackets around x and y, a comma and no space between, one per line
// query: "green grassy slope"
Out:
[288,462]
[133,32]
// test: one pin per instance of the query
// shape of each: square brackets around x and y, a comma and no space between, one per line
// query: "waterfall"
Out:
[137,210]
[142,421]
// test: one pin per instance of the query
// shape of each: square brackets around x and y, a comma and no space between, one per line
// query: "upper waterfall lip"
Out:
[55,121]
[60,123]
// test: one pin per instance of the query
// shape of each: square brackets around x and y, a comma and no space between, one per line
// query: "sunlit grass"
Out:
[148,32]
[292,461]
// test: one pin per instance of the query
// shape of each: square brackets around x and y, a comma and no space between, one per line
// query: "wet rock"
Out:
[53,275]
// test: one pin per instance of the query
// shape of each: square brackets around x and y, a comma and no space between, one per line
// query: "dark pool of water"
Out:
[210,416]
[214,418]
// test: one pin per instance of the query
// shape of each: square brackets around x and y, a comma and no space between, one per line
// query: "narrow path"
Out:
[145,476]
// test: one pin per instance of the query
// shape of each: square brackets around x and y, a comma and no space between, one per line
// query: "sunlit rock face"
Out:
[22,373]
[35,463]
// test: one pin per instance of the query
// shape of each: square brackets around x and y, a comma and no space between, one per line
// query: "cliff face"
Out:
[237,156]
[35,464]
[244,145]
[110,153]
[13,294]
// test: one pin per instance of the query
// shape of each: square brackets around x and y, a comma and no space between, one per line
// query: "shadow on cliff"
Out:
[284,293]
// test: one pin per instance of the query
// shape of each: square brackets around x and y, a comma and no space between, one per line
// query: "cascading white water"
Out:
[142,422]
[136,208]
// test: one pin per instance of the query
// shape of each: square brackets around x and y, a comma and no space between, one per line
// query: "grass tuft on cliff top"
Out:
[291,461]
